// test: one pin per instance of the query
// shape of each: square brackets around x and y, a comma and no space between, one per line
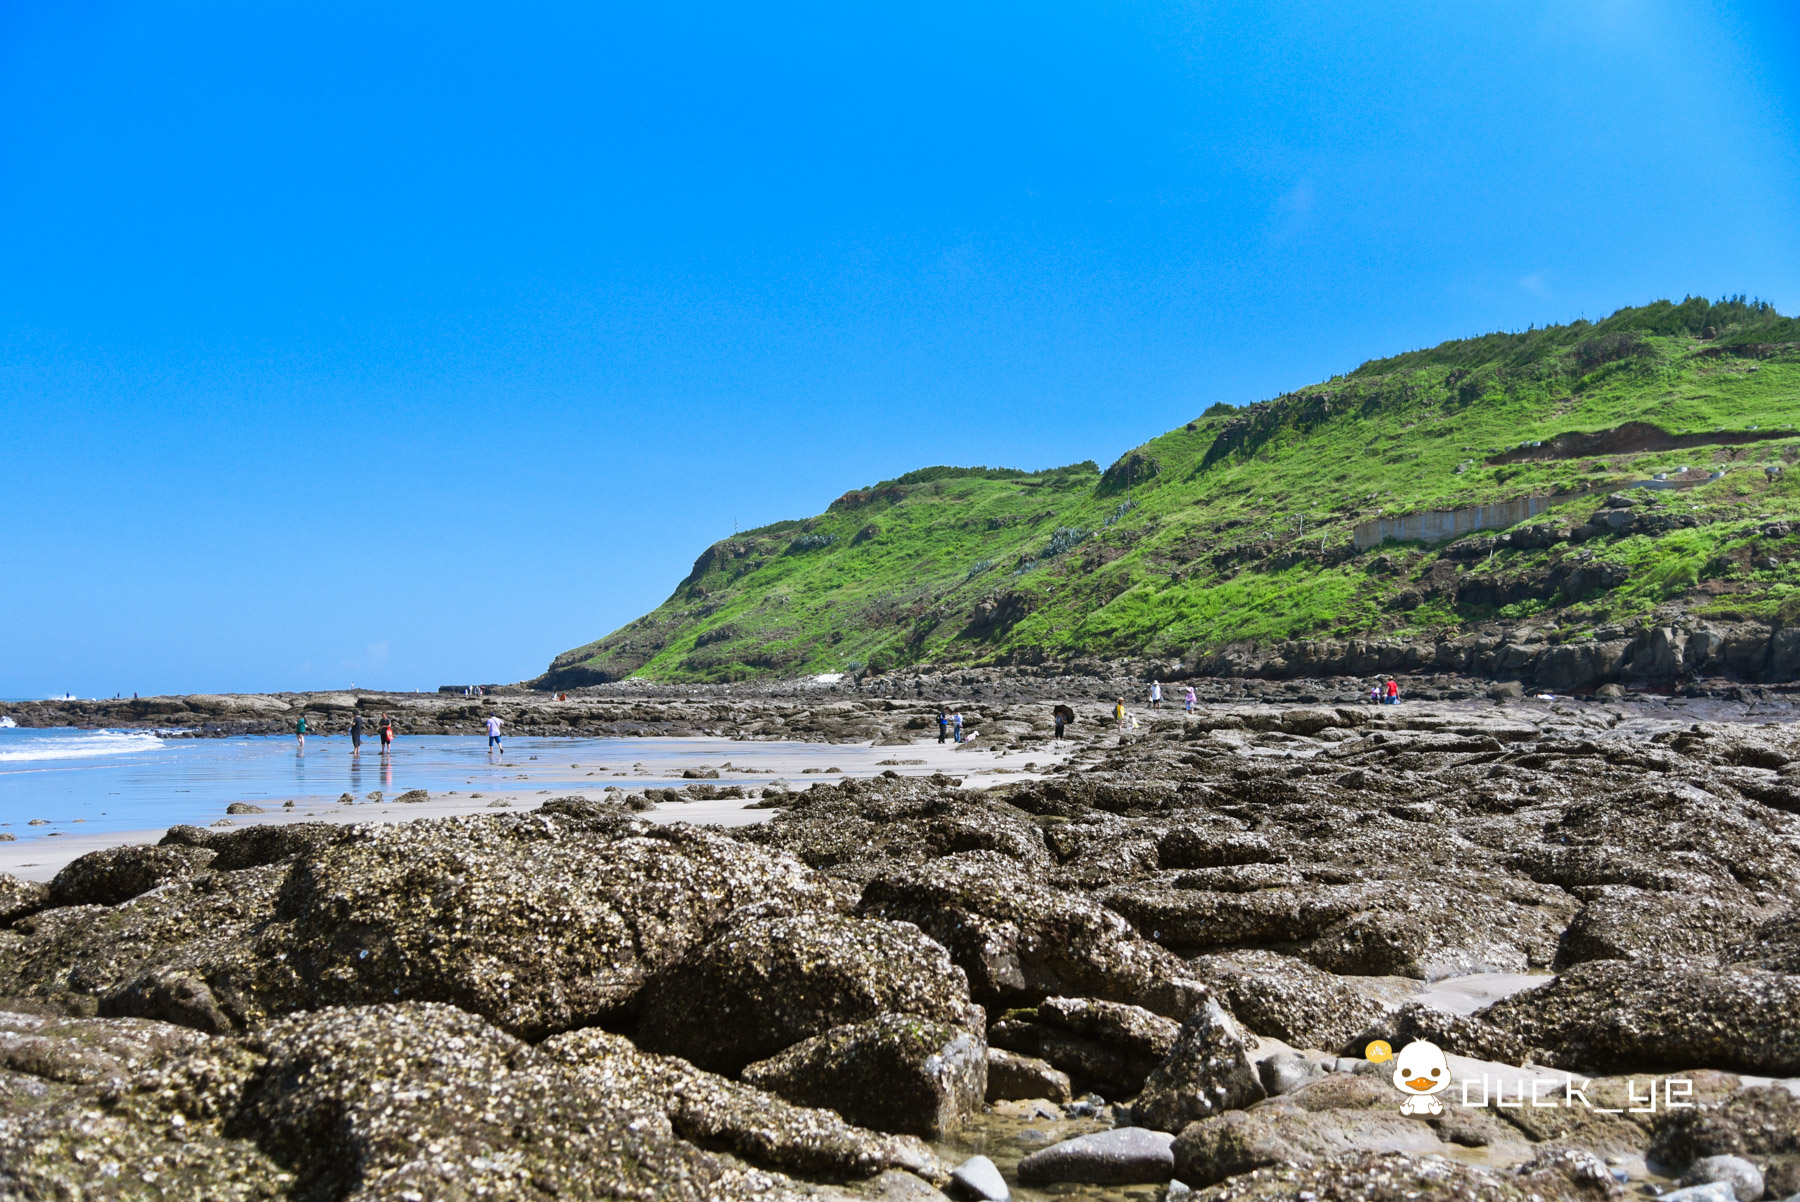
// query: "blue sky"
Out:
[405,345]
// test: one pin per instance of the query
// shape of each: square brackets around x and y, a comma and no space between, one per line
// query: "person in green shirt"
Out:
[300,731]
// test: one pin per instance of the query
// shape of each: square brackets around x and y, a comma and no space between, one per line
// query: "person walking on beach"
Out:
[943,724]
[300,733]
[356,729]
[1188,700]
[1156,694]
[1061,715]
[387,734]
[493,729]
[1119,715]
[1393,691]
[957,721]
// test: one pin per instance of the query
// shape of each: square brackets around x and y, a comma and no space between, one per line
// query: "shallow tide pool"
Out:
[97,780]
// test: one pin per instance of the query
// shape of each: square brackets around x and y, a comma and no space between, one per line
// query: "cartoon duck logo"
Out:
[1420,1070]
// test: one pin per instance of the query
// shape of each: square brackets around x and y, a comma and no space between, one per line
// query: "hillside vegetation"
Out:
[1237,529]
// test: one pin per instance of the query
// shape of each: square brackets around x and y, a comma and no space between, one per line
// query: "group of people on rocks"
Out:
[950,724]
[1385,691]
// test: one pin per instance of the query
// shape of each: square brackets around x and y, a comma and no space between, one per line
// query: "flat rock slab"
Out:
[1118,1157]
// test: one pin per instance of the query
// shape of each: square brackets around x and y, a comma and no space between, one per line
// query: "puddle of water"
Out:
[1466,995]
[1007,1138]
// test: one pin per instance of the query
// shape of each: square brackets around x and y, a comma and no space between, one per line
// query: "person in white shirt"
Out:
[1156,694]
[493,729]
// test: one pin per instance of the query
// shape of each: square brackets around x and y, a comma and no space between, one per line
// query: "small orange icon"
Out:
[1379,1050]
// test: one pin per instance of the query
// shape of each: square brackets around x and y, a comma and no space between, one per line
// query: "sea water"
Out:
[100,780]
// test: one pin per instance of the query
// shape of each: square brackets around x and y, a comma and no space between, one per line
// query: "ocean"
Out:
[99,780]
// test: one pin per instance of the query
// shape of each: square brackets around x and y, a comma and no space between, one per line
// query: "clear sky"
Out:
[411,344]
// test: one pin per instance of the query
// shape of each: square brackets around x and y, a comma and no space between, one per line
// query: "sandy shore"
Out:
[40,857]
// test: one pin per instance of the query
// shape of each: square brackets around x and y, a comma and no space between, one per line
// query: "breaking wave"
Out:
[79,745]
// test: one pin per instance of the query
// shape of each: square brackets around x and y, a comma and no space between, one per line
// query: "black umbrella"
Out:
[1063,712]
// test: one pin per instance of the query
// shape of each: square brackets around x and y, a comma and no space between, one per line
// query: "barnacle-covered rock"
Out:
[761,984]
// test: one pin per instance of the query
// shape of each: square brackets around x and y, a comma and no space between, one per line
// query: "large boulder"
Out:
[539,923]
[1105,1046]
[1672,837]
[383,1101]
[1403,1176]
[1239,1141]
[1612,1116]
[1460,1034]
[111,1108]
[81,955]
[1208,847]
[1761,1124]
[715,1112]
[1774,945]
[255,846]
[900,1073]
[1287,998]
[89,1051]
[1012,1076]
[1206,1073]
[862,829]
[19,898]
[1623,923]
[116,874]
[1374,928]
[1607,1015]
[762,984]
[1020,941]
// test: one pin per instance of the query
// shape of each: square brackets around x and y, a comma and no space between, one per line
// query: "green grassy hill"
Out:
[1238,527]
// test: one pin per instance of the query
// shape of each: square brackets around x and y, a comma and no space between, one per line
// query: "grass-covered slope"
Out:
[1238,527]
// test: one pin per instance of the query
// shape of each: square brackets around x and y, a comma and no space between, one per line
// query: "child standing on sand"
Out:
[1188,700]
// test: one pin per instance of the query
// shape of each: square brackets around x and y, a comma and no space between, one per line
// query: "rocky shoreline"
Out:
[897,706]
[1157,970]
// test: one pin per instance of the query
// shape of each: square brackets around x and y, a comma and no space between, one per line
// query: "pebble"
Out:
[978,1179]
[1718,1191]
[898,1186]
[1285,1072]
[1744,1179]
[1117,1157]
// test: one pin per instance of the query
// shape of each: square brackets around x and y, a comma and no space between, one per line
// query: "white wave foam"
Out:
[86,745]
[6,721]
